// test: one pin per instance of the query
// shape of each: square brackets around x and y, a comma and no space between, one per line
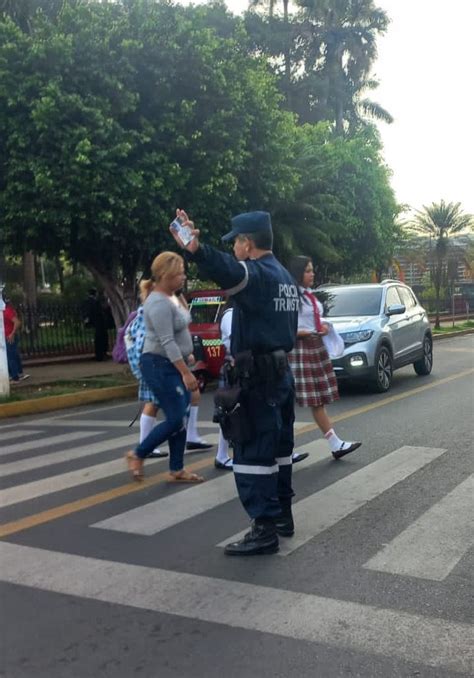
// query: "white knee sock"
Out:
[222,449]
[192,435]
[147,423]
[335,443]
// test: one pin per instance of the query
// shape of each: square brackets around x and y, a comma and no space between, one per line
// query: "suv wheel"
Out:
[383,370]
[424,365]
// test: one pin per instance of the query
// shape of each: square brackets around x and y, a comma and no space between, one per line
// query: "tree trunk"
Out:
[60,272]
[29,279]
[118,295]
[286,55]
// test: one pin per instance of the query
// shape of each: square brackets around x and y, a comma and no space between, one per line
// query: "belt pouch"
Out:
[234,416]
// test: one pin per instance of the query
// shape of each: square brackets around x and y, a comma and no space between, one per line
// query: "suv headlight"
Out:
[355,337]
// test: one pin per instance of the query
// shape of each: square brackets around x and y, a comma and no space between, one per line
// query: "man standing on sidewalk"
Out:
[12,324]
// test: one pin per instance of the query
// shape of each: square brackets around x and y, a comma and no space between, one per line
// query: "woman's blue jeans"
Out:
[166,383]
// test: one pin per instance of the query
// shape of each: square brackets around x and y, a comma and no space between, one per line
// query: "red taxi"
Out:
[206,308]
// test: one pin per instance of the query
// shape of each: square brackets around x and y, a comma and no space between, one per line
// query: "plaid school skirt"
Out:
[315,381]
[145,395]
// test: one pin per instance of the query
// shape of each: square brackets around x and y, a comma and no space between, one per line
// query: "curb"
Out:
[62,402]
[449,335]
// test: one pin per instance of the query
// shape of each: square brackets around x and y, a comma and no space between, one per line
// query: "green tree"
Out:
[344,212]
[112,116]
[438,222]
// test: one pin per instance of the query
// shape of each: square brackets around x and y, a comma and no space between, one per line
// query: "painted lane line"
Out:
[363,628]
[114,423]
[103,497]
[64,481]
[8,435]
[433,545]
[102,423]
[325,508]
[61,456]
[388,400]
[161,514]
[47,442]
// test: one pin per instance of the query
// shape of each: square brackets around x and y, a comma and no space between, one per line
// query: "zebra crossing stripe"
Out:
[433,545]
[64,481]
[7,435]
[164,513]
[115,423]
[327,507]
[61,456]
[430,641]
[47,516]
[110,423]
[47,442]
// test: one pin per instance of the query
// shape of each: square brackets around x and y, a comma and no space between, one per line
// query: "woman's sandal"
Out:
[135,466]
[184,477]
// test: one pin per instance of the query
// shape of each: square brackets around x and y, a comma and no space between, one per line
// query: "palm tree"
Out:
[22,11]
[438,222]
[340,38]
[268,7]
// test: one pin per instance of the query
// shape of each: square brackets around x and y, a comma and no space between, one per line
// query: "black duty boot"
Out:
[261,540]
[284,524]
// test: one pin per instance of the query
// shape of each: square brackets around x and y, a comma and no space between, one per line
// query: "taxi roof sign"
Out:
[206,300]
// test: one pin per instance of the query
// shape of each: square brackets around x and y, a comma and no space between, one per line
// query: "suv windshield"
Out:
[351,301]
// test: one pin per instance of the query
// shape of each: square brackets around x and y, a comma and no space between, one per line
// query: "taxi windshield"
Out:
[205,310]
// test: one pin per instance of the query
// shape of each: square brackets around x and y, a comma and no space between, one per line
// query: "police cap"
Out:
[249,222]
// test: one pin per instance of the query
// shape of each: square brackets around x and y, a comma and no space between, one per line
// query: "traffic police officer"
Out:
[264,325]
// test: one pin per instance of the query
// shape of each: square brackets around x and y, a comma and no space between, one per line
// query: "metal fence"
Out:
[53,330]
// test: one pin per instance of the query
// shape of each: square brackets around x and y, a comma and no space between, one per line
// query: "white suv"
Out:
[384,327]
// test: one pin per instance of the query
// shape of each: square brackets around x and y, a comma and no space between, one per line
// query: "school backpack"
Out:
[119,351]
[134,339]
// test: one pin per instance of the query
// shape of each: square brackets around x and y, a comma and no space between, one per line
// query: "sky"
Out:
[426,79]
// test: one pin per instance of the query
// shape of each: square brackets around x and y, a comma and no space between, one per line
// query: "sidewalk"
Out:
[69,371]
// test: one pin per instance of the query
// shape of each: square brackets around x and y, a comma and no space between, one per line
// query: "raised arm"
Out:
[221,267]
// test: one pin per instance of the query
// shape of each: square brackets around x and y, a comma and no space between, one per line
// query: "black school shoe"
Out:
[261,540]
[157,455]
[299,456]
[342,453]
[198,446]
[227,465]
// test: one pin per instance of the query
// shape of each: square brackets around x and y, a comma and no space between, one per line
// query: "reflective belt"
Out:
[284,461]
[255,470]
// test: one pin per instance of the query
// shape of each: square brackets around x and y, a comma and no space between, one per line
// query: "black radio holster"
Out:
[233,415]
[250,373]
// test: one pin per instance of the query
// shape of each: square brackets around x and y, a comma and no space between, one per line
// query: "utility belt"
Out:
[250,371]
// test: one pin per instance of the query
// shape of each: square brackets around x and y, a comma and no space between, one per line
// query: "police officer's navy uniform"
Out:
[264,320]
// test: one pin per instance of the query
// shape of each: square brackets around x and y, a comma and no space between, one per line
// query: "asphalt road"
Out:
[101,577]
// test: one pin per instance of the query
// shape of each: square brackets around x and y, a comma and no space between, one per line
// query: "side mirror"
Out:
[396,309]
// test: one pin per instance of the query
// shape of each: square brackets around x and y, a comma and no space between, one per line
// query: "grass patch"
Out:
[445,329]
[63,387]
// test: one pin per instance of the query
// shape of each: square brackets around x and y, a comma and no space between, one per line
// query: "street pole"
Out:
[4,378]
[452,301]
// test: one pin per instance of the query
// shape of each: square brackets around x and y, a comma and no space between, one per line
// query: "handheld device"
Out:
[183,232]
